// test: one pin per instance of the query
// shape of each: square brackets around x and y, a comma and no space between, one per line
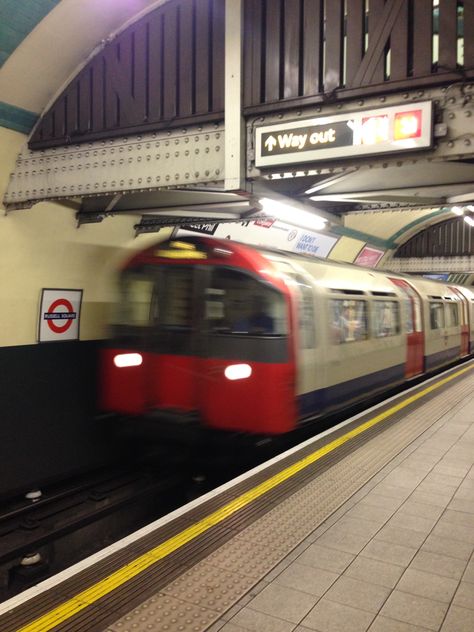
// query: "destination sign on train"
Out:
[383,130]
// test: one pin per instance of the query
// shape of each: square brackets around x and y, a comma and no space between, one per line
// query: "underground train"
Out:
[243,339]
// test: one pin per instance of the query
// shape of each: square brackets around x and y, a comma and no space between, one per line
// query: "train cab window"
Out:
[348,320]
[453,314]
[436,315]
[136,293]
[386,319]
[173,306]
[236,303]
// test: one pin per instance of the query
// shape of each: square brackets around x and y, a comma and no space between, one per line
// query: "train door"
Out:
[310,364]
[174,334]
[414,327]
[464,321]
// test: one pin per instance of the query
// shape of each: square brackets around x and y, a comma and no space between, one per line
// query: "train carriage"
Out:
[237,338]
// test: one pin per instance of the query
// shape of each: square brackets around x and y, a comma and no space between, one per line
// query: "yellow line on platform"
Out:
[82,600]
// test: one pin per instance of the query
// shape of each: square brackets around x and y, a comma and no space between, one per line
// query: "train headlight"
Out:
[127,359]
[238,371]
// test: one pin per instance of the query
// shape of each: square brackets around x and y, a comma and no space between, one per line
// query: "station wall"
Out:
[49,427]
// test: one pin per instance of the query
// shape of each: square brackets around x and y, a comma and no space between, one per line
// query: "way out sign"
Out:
[59,315]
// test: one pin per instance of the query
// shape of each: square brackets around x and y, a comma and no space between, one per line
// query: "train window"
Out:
[348,320]
[174,308]
[135,299]
[409,324]
[436,315]
[306,315]
[453,314]
[236,303]
[386,318]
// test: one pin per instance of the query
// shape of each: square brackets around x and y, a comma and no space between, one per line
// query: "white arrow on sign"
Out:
[270,143]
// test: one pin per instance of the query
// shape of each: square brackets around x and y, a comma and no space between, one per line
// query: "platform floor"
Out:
[379,537]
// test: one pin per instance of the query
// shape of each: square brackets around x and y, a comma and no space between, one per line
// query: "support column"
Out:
[234,122]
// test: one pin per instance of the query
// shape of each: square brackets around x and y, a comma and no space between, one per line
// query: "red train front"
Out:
[204,332]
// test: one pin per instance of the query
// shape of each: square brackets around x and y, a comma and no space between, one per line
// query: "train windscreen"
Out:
[236,303]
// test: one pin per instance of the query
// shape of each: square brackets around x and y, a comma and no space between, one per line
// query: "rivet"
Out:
[468,113]
[451,115]
[467,142]
[176,153]
[196,151]
[157,156]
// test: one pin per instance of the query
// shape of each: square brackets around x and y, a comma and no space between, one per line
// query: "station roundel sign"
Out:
[59,315]
[65,318]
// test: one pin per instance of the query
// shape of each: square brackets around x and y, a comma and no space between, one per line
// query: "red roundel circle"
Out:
[67,322]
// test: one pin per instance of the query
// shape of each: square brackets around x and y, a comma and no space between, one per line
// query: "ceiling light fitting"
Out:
[467,212]
[292,215]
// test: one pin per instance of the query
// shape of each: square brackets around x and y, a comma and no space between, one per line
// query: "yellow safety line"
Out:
[103,587]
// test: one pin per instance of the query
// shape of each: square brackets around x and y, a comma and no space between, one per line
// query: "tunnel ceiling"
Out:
[289,67]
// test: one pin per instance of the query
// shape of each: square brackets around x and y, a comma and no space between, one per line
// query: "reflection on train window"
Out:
[453,314]
[348,320]
[306,316]
[436,315]
[239,304]
[174,306]
[386,318]
[135,299]
[408,316]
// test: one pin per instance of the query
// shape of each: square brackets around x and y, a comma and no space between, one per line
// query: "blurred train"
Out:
[243,339]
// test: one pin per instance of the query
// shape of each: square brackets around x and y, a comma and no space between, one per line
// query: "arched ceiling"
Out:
[44,43]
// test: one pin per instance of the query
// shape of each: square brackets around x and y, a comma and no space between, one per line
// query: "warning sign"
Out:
[59,315]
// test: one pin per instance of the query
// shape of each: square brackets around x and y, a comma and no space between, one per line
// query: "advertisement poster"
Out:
[369,257]
[267,233]
[59,315]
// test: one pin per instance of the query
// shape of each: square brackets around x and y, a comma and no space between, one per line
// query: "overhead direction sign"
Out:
[382,130]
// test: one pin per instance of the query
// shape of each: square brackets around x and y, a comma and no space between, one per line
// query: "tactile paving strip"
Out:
[257,549]
[216,571]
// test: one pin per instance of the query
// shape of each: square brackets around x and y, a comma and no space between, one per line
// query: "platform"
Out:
[367,527]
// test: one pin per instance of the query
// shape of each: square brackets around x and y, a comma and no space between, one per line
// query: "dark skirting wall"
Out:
[49,427]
